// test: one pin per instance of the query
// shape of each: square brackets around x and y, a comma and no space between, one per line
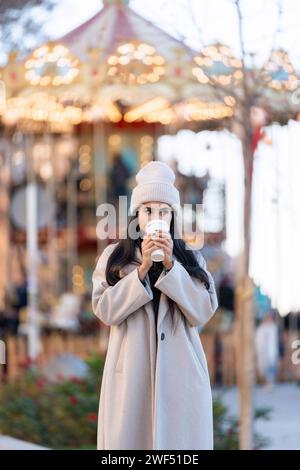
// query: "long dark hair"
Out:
[125,250]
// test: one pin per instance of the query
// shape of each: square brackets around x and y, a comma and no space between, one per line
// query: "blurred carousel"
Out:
[104,92]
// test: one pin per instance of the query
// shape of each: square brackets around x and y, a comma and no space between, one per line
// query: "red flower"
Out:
[41,382]
[28,362]
[77,380]
[92,417]
[73,400]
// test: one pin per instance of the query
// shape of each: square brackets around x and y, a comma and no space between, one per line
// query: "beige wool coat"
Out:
[155,391]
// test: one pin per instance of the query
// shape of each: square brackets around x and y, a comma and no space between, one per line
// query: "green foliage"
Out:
[63,415]
[56,415]
[226,427]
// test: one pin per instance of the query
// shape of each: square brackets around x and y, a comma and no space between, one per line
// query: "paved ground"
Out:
[9,443]
[283,429]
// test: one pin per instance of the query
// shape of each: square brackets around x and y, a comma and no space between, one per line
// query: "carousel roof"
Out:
[116,23]
[118,65]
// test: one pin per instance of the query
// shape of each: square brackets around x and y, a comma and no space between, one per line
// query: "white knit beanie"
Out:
[155,183]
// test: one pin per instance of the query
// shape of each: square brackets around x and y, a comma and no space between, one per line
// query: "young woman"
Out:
[155,390]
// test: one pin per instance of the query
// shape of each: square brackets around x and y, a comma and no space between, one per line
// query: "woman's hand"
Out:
[164,241]
[148,245]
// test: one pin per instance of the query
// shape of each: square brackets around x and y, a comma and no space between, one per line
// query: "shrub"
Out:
[226,427]
[56,415]
[64,414]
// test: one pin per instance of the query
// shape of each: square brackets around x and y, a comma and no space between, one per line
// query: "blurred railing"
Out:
[17,360]
[219,349]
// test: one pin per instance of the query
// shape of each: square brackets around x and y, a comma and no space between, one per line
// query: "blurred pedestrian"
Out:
[267,349]
[119,175]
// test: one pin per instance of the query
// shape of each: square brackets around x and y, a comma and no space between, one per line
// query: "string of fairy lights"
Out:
[51,65]
[136,63]
[36,91]
[217,63]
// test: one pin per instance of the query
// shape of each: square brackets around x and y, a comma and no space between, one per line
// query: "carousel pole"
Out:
[6,256]
[100,174]
[100,167]
[72,222]
[32,255]
[52,225]
[5,245]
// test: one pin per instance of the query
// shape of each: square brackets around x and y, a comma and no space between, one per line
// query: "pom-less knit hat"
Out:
[155,182]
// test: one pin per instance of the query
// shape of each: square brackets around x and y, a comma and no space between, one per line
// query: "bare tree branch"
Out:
[20,26]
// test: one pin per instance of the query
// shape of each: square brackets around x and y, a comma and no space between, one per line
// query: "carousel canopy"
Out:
[117,24]
[117,65]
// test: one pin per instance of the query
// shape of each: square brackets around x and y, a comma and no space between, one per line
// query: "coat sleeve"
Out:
[113,304]
[196,302]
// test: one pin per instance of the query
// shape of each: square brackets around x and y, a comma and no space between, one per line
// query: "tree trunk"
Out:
[244,331]
[244,307]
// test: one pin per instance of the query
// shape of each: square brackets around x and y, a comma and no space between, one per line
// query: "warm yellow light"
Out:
[152,77]
[85,184]
[114,140]
[147,140]
[279,72]
[140,111]
[124,60]
[217,54]
[148,60]
[197,110]
[146,48]
[51,65]
[112,71]
[112,60]
[229,100]
[159,70]
[139,55]
[135,63]
[126,48]
[158,60]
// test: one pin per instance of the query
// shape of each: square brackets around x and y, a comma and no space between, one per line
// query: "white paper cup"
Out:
[150,229]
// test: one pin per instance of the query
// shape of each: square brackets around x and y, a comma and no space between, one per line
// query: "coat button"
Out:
[162,336]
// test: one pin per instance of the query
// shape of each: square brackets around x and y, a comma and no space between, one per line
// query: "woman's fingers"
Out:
[152,248]
[163,243]
[161,240]
[147,242]
[147,239]
[149,245]
[157,243]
